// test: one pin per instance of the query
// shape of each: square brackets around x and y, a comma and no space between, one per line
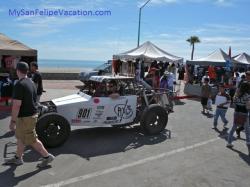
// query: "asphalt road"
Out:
[194,155]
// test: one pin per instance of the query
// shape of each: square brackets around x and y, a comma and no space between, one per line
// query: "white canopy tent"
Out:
[148,52]
[243,58]
[217,58]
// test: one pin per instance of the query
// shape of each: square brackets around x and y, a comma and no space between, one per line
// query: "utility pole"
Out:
[139,27]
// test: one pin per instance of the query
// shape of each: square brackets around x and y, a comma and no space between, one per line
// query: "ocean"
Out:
[52,63]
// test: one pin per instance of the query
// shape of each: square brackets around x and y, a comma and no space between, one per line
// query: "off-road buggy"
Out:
[136,103]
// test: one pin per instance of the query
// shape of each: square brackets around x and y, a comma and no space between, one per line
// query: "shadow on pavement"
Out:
[8,178]
[8,134]
[103,141]
[224,135]
[179,102]
[94,142]
[243,156]
[4,114]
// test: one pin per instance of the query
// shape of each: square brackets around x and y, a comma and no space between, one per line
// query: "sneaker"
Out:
[238,133]
[14,161]
[225,125]
[229,145]
[45,161]
[215,128]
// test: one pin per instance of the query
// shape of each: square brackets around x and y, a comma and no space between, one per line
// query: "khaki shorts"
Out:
[25,129]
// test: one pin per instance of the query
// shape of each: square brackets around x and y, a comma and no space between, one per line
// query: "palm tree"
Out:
[193,40]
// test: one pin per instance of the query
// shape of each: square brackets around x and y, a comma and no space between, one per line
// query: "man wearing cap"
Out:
[24,118]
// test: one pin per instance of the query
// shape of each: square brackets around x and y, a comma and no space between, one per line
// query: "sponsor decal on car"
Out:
[111,118]
[86,121]
[98,114]
[96,100]
[123,111]
[100,107]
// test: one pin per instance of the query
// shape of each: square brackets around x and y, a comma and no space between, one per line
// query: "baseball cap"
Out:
[22,66]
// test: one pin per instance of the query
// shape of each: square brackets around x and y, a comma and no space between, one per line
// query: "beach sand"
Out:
[62,84]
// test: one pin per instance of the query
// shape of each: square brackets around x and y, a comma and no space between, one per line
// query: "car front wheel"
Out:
[52,129]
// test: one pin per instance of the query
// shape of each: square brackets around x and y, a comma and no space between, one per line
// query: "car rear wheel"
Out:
[52,129]
[154,119]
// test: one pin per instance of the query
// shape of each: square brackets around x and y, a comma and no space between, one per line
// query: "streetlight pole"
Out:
[139,27]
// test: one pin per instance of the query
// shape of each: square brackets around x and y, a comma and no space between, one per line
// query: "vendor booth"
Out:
[219,63]
[147,52]
[13,51]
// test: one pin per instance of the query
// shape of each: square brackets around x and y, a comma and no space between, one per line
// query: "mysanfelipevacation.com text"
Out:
[57,12]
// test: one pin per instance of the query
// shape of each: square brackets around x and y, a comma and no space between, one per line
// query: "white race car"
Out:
[96,107]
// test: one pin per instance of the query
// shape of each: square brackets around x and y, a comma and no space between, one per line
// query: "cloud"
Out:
[213,36]
[163,1]
[224,2]
[157,2]
[88,50]
[40,26]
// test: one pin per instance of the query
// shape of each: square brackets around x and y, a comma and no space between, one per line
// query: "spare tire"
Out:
[52,129]
[154,119]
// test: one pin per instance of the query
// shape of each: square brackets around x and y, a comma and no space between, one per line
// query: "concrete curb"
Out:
[60,76]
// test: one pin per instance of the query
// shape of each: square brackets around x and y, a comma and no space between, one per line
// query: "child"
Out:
[205,94]
[222,101]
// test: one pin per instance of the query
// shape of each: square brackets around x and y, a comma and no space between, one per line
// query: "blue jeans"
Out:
[247,131]
[222,113]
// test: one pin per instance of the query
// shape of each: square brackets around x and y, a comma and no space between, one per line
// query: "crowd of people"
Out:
[240,100]
[162,75]
[216,74]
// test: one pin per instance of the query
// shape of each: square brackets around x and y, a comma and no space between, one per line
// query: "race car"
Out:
[99,105]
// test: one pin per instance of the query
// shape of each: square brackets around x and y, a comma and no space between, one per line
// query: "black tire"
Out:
[52,129]
[154,119]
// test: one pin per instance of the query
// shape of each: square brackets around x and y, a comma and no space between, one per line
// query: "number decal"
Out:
[84,113]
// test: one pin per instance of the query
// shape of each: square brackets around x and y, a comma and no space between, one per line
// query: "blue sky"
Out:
[167,23]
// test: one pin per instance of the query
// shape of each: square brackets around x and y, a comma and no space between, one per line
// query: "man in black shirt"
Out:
[24,118]
[37,79]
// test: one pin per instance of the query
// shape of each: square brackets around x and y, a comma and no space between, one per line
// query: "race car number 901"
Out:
[84,113]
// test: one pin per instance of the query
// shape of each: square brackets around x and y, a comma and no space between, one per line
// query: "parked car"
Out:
[135,104]
[103,69]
